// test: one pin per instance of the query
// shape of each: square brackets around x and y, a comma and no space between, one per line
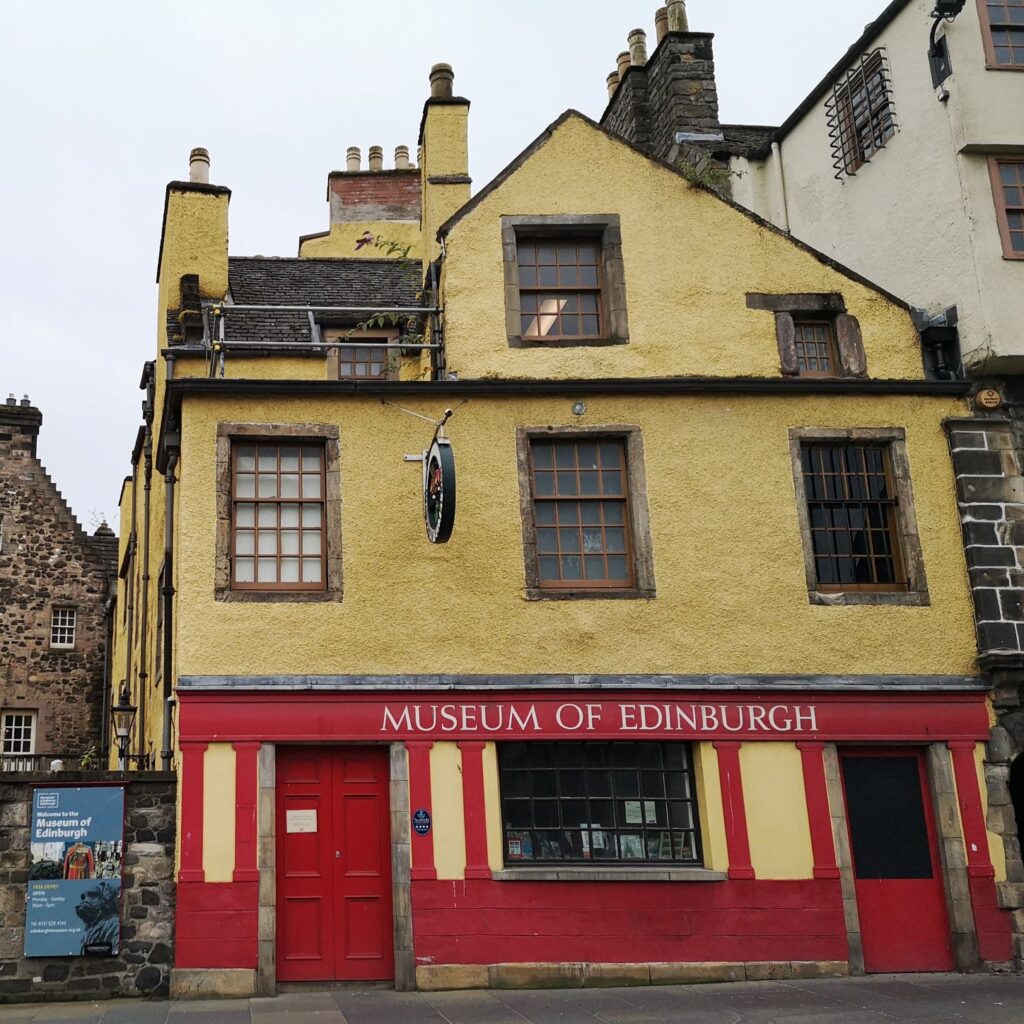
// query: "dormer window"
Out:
[362,355]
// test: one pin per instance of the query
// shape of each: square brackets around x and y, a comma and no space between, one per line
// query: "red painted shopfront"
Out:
[500,917]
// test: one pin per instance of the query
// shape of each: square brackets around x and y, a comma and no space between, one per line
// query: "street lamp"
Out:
[123,714]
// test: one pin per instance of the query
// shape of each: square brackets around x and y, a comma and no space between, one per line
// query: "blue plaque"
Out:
[74,888]
[421,822]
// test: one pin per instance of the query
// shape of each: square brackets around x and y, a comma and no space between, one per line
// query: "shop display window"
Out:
[598,802]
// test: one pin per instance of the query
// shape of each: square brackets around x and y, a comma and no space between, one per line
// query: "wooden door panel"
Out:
[334,919]
[901,898]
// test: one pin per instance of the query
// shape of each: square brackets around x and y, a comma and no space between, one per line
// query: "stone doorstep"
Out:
[213,983]
[442,977]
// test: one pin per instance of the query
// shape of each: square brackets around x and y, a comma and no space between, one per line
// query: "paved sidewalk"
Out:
[921,998]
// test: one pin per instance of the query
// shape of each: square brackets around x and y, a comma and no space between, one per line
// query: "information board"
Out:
[74,888]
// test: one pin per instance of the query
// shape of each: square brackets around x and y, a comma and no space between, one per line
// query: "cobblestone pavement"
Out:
[921,999]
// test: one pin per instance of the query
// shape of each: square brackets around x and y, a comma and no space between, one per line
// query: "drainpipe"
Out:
[108,683]
[167,596]
[133,548]
[143,624]
[780,184]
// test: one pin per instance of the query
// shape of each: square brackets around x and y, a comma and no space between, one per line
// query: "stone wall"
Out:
[147,904]
[47,560]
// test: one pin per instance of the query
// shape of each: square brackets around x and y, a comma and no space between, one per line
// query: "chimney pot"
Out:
[401,158]
[25,401]
[623,62]
[199,166]
[442,79]
[660,24]
[11,400]
[352,158]
[677,16]
[613,83]
[638,47]
[376,158]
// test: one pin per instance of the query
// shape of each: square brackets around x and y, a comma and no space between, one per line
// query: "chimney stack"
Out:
[660,24]
[442,79]
[353,157]
[199,166]
[638,47]
[623,61]
[376,158]
[677,16]
[401,158]
[613,83]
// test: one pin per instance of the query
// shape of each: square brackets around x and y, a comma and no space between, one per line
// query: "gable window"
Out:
[1002,29]
[62,628]
[855,506]
[559,287]
[278,519]
[860,113]
[278,512]
[584,514]
[598,802]
[1008,191]
[815,348]
[564,281]
[19,730]
[815,335]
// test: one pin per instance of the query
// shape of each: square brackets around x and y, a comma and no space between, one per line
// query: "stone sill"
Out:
[586,873]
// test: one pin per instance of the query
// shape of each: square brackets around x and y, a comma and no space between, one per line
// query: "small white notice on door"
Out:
[301,821]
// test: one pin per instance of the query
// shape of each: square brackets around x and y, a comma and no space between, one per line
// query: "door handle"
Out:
[337,854]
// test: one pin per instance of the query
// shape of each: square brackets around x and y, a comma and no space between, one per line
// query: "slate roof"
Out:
[263,281]
[324,282]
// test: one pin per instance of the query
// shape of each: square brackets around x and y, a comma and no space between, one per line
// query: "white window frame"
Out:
[63,628]
[12,760]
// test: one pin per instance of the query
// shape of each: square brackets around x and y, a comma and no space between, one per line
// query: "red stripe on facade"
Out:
[191,865]
[216,925]
[474,808]
[420,799]
[819,817]
[735,812]
[246,763]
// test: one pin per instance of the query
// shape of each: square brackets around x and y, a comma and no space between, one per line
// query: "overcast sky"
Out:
[101,102]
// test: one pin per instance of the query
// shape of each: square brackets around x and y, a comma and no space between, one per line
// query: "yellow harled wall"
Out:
[728,560]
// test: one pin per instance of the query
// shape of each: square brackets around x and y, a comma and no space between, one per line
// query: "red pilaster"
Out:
[192,755]
[734,810]
[819,817]
[419,798]
[991,923]
[474,810]
[246,762]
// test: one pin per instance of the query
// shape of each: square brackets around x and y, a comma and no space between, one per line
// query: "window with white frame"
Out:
[19,735]
[62,628]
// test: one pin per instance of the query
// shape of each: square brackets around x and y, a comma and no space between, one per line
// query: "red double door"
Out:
[901,898]
[334,918]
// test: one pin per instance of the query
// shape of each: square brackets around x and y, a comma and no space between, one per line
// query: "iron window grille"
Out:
[598,802]
[853,510]
[860,113]
[62,628]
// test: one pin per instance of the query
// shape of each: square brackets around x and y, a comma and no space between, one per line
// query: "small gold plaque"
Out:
[989,399]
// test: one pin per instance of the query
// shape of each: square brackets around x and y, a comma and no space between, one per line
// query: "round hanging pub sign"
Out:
[439,490]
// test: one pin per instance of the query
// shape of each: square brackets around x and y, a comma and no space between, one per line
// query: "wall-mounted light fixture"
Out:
[938,50]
